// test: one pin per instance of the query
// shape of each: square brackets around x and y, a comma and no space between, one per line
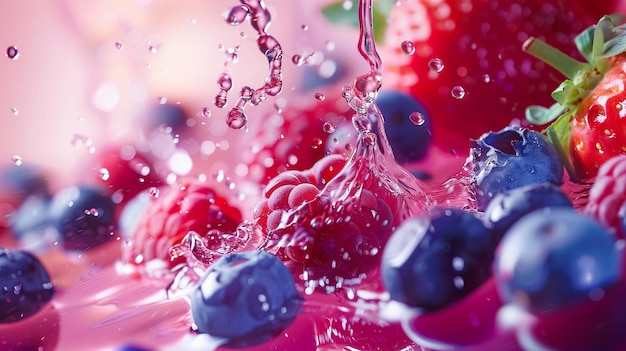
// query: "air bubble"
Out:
[436,65]
[458,92]
[17,160]
[417,118]
[13,53]
[407,47]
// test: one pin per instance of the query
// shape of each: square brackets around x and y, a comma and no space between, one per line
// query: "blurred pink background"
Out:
[87,70]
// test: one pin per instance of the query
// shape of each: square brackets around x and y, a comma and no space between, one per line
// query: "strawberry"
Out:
[587,119]
[294,138]
[478,42]
[187,206]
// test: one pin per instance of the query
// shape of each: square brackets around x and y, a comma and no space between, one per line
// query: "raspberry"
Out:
[307,128]
[188,206]
[607,196]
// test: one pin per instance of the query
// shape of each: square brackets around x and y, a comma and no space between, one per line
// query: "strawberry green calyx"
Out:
[598,44]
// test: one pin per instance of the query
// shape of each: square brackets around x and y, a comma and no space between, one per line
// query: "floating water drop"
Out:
[486,78]
[162,100]
[206,112]
[304,27]
[407,47]
[13,53]
[436,65]
[320,96]
[236,118]
[154,192]
[236,15]
[297,60]
[17,160]
[119,45]
[329,127]
[458,92]
[104,174]
[417,118]
[15,111]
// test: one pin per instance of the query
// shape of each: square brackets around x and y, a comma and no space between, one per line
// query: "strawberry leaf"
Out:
[584,43]
[339,13]
[539,115]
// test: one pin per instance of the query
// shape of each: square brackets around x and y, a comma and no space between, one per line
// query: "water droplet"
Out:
[436,65]
[246,93]
[407,47]
[154,192]
[317,142]
[15,111]
[104,174]
[119,45]
[320,96]
[162,100]
[13,53]
[458,92]
[236,15]
[329,127]
[206,112]
[236,118]
[224,82]
[17,160]
[486,78]
[417,118]
[304,27]
[297,60]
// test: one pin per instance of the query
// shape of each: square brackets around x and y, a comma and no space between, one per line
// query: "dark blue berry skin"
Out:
[555,257]
[26,285]
[508,207]
[23,181]
[165,115]
[408,140]
[509,159]
[84,216]
[246,298]
[436,259]
[132,348]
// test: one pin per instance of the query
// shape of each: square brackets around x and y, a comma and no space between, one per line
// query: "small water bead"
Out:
[297,60]
[236,118]
[15,111]
[407,47]
[246,93]
[320,96]
[225,82]
[237,15]
[104,174]
[458,92]
[13,53]
[486,78]
[154,192]
[206,112]
[417,118]
[317,142]
[329,127]
[17,160]
[162,100]
[304,27]
[436,65]
[119,45]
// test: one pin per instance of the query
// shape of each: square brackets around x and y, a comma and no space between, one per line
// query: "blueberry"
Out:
[25,283]
[509,159]
[23,181]
[31,221]
[409,137]
[433,260]
[84,216]
[246,298]
[552,258]
[508,207]
[168,115]
[132,348]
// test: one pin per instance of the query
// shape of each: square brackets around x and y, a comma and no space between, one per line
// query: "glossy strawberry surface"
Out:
[468,67]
